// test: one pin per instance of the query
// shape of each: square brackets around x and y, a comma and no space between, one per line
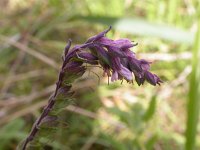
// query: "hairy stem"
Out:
[50,104]
[45,112]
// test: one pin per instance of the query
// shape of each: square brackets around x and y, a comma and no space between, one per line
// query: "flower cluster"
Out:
[114,56]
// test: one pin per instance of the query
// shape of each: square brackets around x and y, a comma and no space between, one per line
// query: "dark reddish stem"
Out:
[50,104]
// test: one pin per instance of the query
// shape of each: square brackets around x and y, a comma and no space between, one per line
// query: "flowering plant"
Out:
[117,61]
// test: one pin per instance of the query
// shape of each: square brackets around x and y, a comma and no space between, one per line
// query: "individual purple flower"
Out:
[152,78]
[119,69]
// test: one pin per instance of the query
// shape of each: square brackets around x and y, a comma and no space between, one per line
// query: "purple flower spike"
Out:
[115,57]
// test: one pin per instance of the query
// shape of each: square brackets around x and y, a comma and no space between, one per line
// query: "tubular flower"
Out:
[115,57]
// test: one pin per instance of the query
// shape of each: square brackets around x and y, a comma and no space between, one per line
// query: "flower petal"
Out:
[139,78]
[145,64]
[123,43]
[150,78]
[114,76]
[135,64]
[125,73]
[102,54]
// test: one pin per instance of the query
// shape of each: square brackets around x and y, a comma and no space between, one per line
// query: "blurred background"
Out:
[33,34]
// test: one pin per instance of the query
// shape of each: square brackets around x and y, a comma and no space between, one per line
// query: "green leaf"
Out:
[151,142]
[11,131]
[34,146]
[194,95]
[47,132]
[151,109]
[49,121]
[60,104]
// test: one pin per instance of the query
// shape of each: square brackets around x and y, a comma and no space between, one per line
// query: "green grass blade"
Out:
[144,28]
[151,109]
[194,95]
